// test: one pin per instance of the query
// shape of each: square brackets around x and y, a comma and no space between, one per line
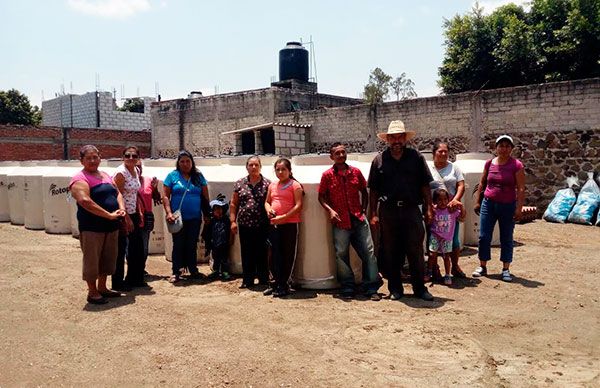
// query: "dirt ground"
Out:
[540,330]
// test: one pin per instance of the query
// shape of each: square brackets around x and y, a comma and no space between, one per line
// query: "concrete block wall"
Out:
[70,110]
[571,105]
[307,101]
[204,119]
[290,140]
[354,125]
[110,117]
[80,111]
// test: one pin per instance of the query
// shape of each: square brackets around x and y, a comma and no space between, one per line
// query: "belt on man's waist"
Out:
[400,203]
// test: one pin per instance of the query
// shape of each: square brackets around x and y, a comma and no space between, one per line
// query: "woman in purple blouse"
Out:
[504,182]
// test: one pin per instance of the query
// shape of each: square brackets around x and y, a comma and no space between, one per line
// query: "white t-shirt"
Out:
[450,175]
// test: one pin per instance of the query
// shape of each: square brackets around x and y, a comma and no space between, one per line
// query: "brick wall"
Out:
[21,142]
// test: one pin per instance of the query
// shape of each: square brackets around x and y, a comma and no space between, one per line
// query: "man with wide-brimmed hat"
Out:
[399,183]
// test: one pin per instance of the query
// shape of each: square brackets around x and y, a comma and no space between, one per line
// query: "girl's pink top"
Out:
[502,180]
[444,222]
[146,193]
[282,199]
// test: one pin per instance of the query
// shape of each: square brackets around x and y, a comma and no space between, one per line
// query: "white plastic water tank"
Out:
[33,196]
[113,163]
[5,168]
[68,163]
[213,172]
[472,165]
[366,157]
[15,184]
[221,179]
[167,241]
[158,169]
[73,215]
[315,263]
[55,188]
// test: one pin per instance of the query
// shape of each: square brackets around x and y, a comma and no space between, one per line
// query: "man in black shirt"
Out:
[399,183]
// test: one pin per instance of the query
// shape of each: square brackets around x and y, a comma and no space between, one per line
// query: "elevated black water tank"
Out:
[293,62]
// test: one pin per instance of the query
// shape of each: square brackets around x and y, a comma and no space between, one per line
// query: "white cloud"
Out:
[490,5]
[111,9]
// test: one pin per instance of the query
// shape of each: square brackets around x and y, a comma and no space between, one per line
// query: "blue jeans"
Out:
[185,245]
[360,238]
[491,212]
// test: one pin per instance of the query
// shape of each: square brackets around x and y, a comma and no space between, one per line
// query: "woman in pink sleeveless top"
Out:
[504,181]
[283,205]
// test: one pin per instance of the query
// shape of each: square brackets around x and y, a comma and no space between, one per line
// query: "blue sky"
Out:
[186,45]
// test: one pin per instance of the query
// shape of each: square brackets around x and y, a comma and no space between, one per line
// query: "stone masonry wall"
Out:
[554,118]
[550,157]
[557,122]
[80,111]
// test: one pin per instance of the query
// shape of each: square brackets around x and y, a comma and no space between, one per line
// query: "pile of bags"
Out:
[579,209]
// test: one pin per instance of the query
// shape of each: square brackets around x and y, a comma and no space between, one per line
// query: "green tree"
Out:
[555,40]
[568,33]
[36,115]
[16,109]
[135,104]
[468,62]
[378,88]
[403,87]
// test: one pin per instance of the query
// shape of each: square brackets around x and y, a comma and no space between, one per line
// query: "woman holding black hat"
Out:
[503,187]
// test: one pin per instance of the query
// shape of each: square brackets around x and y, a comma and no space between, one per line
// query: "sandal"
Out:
[459,274]
[110,294]
[174,279]
[101,300]
[427,277]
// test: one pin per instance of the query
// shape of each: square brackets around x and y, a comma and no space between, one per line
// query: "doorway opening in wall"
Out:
[267,138]
[248,143]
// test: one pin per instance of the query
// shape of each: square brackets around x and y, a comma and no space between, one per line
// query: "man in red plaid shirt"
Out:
[343,193]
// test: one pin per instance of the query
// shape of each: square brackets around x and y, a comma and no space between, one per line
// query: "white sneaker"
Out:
[479,272]
[506,276]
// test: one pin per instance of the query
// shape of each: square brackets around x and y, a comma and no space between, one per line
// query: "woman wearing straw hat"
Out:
[399,183]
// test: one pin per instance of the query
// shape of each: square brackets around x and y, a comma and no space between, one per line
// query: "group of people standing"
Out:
[401,199]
